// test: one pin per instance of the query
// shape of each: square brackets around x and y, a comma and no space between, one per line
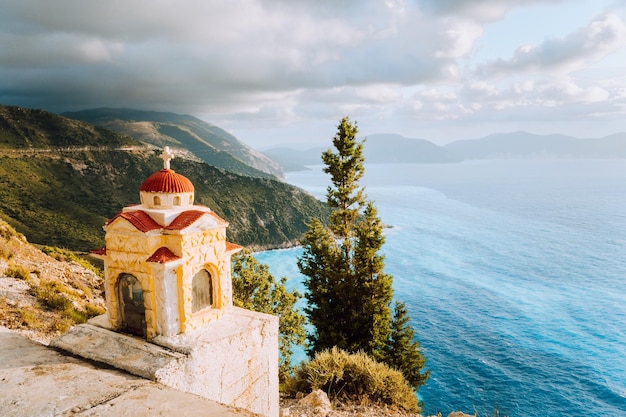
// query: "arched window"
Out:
[177,201]
[131,305]
[190,199]
[202,291]
[157,200]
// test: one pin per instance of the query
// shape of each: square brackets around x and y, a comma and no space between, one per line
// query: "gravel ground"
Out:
[317,404]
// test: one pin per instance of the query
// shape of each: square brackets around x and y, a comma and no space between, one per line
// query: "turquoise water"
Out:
[513,273]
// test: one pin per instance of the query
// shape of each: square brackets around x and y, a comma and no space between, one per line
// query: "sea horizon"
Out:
[512,275]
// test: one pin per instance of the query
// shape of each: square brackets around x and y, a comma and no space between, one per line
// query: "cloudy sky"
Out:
[286,71]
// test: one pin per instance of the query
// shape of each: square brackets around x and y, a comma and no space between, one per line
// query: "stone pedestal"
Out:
[233,360]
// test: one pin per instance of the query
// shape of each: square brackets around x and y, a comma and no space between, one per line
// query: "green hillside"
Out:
[205,141]
[63,196]
[22,128]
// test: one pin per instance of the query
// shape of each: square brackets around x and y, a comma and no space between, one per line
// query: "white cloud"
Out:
[479,10]
[603,36]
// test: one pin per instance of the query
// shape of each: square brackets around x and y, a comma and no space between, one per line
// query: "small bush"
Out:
[92,310]
[5,251]
[53,295]
[74,315]
[61,325]
[6,231]
[355,378]
[17,271]
[30,318]
[57,253]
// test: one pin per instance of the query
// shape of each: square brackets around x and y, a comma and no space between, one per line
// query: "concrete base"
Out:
[38,381]
[131,354]
[233,360]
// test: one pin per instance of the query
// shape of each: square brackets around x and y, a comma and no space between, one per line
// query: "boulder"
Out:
[317,398]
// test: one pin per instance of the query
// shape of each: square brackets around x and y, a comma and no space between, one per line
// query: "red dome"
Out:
[167,181]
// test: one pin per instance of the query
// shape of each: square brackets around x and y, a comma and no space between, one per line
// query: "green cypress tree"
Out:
[322,263]
[372,313]
[254,288]
[328,252]
[403,351]
[349,295]
[346,169]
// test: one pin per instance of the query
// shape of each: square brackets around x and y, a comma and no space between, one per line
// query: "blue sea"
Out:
[513,273]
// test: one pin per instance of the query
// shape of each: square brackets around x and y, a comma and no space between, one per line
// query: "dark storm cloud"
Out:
[194,54]
[275,63]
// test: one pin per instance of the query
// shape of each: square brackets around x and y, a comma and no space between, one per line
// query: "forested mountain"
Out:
[22,128]
[61,179]
[205,141]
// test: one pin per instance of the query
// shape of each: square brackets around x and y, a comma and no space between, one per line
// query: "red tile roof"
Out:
[139,219]
[167,181]
[144,223]
[162,255]
[189,217]
[232,246]
[185,219]
[101,252]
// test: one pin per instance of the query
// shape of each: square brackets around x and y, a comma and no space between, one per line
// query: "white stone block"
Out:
[233,360]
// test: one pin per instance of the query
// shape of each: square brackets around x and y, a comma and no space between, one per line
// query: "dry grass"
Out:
[44,295]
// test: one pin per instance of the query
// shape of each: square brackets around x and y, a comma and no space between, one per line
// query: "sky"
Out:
[277,72]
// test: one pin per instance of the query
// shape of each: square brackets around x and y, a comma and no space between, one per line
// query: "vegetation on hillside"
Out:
[254,288]
[22,128]
[40,293]
[61,179]
[63,198]
[349,295]
[205,141]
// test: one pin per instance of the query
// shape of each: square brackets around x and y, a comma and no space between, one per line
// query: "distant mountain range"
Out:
[392,148]
[61,179]
[528,145]
[202,140]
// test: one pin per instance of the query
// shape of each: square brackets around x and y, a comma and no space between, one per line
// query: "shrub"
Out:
[5,251]
[53,295]
[61,325]
[74,315]
[353,377]
[30,318]
[92,310]
[17,271]
[6,231]
[56,296]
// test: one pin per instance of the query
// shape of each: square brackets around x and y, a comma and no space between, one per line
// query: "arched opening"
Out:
[202,291]
[177,201]
[190,199]
[132,308]
[157,200]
